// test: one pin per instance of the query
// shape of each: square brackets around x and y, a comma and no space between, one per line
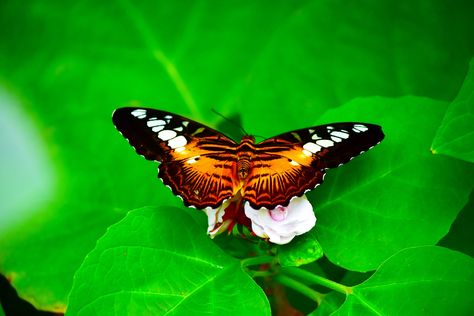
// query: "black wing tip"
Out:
[124,113]
[119,112]
[373,128]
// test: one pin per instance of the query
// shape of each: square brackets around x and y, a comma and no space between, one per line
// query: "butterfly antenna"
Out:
[231,121]
[259,136]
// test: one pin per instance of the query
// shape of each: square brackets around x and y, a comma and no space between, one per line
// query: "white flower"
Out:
[282,224]
[214,219]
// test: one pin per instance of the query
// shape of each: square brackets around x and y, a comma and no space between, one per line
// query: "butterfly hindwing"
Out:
[204,181]
[275,179]
[197,162]
[292,163]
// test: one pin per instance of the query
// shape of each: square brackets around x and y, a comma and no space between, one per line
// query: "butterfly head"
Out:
[247,139]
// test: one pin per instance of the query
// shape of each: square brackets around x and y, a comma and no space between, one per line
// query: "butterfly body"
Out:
[205,167]
[245,154]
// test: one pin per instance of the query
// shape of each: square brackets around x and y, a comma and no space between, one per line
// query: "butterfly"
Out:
[205,168]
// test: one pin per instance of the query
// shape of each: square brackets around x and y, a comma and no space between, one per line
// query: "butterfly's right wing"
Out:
[197,162]
[292,163]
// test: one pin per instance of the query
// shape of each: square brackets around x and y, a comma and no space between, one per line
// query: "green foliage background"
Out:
[67,175]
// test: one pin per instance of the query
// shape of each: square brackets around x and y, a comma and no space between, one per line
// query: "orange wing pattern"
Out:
[197,162]
[200,164]
[202,181]
[275,180]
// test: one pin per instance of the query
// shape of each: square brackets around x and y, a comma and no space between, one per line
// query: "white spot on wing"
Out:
[294,163]
[340,134]
[152,123]
[312,147]
[168,117]
[157,128]
[140,113]
[178,129]
[192,160]
[361,127]
[325,143]
[315,136]
[185,123]
[166,134]
[176,142]
[336,139]
[307,153]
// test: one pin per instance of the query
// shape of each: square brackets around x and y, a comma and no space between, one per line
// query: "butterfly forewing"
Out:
[292,163]
[155,134]
[328,146]
[197,162]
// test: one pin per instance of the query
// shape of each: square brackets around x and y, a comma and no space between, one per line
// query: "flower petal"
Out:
[214,219]
[282,224]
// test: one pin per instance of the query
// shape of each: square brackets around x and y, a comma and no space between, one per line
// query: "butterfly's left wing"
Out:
[292,163]
[197,162]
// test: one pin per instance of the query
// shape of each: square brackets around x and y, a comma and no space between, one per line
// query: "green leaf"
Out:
[455,136]
[416,281]
[461,234]
[151,264]
[399,194]
[302,250]
[330,303]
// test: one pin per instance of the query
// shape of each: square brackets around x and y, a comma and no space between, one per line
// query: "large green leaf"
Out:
[325,53]
[461,234]
[417,281]
[279,64]
[151,264]
[455,136]
[397,195]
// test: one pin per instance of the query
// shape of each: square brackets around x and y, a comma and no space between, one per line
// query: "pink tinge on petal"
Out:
[279,213]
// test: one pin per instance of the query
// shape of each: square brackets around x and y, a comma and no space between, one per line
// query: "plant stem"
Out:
[259,274]
[316,279]
[256,260]
[300,287]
